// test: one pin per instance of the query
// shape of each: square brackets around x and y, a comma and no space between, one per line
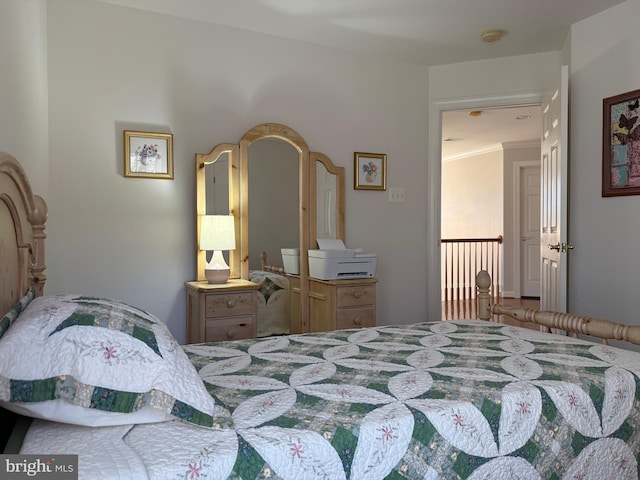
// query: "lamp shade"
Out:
[217,232]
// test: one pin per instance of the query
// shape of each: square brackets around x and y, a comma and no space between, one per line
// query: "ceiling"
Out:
[424,32]
[464,134]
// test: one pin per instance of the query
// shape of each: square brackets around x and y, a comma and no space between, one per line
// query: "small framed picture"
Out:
[370,171]
[621,145]
[148,155]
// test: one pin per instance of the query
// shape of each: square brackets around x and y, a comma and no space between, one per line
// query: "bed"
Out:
[468,399]
[274,309]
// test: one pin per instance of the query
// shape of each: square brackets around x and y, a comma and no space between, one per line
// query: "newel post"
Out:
[483,283]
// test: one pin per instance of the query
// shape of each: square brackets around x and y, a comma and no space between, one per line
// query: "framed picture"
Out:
[621,145]
[148,155]
[369,171]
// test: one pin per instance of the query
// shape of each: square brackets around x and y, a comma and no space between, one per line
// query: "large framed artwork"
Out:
[621,145]
[148,155]
[370,171]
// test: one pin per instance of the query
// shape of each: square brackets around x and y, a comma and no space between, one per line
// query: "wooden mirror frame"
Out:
[238,156]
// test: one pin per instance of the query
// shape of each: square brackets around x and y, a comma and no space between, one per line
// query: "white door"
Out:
[530,231]
[553,218]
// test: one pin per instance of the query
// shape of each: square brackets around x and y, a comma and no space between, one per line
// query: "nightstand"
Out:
[338,304]
[220,312]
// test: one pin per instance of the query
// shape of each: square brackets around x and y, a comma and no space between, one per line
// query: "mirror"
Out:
[274,196]
[327,205]
[281,195]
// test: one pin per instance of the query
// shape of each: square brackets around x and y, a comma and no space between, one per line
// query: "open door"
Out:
[554,243]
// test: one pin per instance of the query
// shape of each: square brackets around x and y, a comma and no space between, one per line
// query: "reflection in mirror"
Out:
[217,186]
[273,200]
[326,191]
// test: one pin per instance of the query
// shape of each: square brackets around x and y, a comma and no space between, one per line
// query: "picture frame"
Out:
[369,171]
[148,155]
[621,144]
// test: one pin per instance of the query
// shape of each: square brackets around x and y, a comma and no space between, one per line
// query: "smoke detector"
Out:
[492,35]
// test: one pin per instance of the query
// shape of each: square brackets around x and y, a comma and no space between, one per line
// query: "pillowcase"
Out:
[9,317]
[95,362]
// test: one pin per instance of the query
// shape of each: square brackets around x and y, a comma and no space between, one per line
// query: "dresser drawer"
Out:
[356,317]
[237,328]
[355,295]
[229,304]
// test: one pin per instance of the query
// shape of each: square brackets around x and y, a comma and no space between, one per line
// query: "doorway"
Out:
[499,149]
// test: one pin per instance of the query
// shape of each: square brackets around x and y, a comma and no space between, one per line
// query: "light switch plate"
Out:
[396,194]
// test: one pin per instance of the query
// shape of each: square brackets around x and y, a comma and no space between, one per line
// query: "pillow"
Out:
[92,361]
[9,317]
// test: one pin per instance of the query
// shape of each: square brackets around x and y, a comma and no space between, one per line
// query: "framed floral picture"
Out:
[148,155]
[370,171]
[621,145]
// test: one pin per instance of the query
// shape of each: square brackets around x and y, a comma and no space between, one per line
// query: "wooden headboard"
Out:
[22,235]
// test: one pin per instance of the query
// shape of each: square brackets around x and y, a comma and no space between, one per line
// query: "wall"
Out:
[23,88]
[604,266]
[472,200]
[113,68]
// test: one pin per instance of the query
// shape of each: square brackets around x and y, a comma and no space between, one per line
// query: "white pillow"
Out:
[92,361]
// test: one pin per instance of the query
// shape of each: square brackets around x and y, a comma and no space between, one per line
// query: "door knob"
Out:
[525,238]
[566,247]
[555,247]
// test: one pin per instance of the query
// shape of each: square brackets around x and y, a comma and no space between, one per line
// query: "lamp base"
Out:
[217,270]
[217,275]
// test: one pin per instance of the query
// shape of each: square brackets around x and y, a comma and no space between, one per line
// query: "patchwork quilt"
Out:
[273,303]
[442,400]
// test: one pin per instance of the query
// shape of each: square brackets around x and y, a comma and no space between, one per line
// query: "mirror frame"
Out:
[238,157]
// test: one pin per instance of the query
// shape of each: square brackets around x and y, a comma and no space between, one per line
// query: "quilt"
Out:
[443,400]
[273,303]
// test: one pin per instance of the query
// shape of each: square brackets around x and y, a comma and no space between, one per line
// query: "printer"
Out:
[333,261]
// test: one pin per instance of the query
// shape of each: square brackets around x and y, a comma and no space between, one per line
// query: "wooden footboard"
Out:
[265,267]
[575,324]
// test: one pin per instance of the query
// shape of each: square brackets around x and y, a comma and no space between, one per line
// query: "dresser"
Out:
[337,304]
[220,312]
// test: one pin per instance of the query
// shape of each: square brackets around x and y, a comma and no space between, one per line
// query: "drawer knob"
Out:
[231,303]
[231,334]
[357,294]
[357,321]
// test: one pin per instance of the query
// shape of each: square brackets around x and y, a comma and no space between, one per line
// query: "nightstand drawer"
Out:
[223,330]
[355,317]
[229,304]
[355,295]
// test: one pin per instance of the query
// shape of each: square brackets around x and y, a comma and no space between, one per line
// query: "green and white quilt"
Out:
[443,400]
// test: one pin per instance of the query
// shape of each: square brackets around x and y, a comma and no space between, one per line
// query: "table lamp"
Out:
[217,233]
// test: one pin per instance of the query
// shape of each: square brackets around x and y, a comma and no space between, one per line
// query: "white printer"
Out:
[333,261]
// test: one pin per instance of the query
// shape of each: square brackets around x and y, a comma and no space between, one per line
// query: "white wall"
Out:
[472,200]
[113,68]
[604,268]
[23,88]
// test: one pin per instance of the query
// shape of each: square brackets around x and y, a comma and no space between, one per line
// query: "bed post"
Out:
[38,218]
[483,283]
